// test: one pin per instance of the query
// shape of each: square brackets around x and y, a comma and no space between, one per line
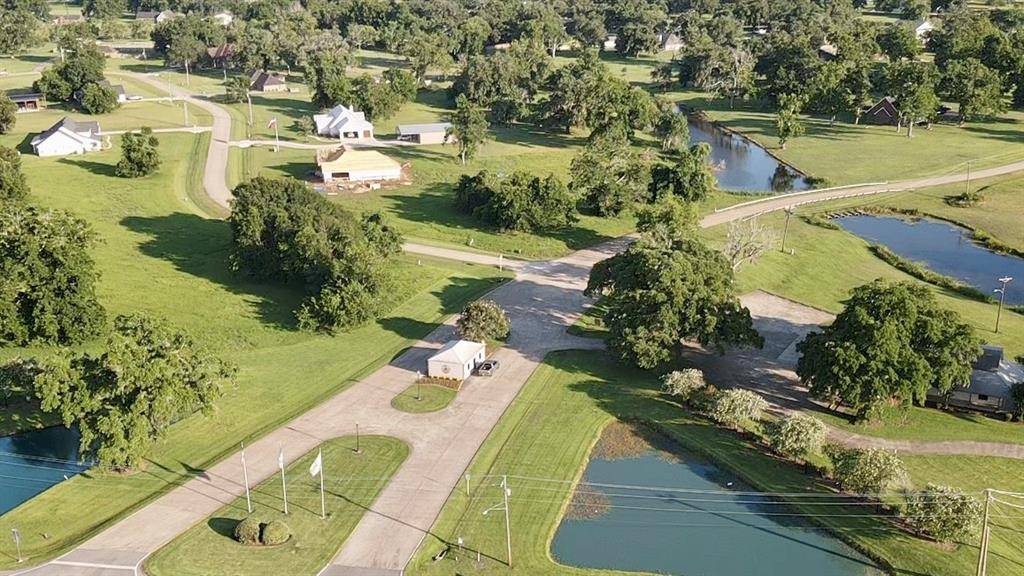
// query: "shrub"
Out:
[247,531]
[796,435]
[946,514]
[867,470]
[275,532]
[734,407]
[1017,393]
[98,99]
[683,384]
[483,320]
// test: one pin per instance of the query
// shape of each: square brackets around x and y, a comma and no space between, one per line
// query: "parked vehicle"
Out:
[488,368]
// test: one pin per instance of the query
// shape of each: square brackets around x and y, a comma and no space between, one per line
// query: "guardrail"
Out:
[801,193]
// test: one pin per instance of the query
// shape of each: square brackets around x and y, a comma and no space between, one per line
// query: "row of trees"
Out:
[943,513]
[285,232]
[519,202]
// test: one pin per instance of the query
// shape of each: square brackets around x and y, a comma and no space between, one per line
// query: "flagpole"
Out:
[245,475]
[284,483]
[323,506]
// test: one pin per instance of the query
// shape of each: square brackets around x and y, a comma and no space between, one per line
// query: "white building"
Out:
[350,165]
[456,360]
[424,133]
[224,18]
[344,123]
[922,28]
[68,137]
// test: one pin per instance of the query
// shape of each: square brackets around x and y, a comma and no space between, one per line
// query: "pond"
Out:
[943,248]
[741,165]
[700,521]
[31,462]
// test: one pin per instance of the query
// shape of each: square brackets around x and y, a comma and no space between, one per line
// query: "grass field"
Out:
[351,484]
[827,264]
[548,432]
[160,255]
[419,399]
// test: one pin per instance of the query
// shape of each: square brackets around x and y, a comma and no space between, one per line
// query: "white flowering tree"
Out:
[943,513]
[796,436]
[683,384]
[866,470]
[734,407]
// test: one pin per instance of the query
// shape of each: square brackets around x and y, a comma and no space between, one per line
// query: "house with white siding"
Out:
[68,137]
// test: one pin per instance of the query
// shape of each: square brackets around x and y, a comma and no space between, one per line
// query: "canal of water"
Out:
[31,462]
[943,248]
[700,521]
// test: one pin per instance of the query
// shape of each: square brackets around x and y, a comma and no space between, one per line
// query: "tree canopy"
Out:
[284,231]
[139,154]
[148,376]
[47,277]
[660,291]
[519,202]
[890,344]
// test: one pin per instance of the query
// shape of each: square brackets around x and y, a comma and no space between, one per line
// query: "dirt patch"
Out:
[587,503]
[621,440]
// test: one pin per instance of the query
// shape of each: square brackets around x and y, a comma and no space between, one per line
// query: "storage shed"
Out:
[456,360]
[424,133]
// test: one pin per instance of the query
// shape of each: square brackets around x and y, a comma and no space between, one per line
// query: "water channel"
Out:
[31,462]
[943,248]
[741,165]
[699,522]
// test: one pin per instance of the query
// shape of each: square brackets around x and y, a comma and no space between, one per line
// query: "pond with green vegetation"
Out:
[675,513]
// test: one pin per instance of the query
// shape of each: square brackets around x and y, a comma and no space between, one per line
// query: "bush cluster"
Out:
[520,202]
[251,532]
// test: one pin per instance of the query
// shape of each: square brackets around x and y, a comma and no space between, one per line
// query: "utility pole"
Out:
[249,98]
[1002,297]
[284,483]
[785,231]
[17,543]
[508,527]
[185,103]
[188,79]
[967,184]
[245,477]
[983,549]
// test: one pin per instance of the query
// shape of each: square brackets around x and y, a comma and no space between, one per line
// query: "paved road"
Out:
[215,175]
[542,301]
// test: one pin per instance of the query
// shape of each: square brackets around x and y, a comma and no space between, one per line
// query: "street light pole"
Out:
[785,231]
[1002,297]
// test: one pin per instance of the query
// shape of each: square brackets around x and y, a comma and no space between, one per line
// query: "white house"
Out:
[68,137]
[610,41]
[922,28]
[118,89]
[669,41]
[344,123]
[456,360]
[224,18]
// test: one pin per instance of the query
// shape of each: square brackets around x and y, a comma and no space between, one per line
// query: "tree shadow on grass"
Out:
[201,247]
[97,168]
[223,526]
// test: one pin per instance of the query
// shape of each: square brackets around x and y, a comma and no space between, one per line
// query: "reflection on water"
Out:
[740,164]
[944,248]
[675,530]
[31,462]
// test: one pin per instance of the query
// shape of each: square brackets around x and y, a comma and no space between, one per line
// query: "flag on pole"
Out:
[272,123]
[317,465]
[280,459]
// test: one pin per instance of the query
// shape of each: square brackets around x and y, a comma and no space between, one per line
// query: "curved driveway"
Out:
[543,300]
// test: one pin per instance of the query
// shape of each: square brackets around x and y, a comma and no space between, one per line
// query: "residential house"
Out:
[29,102]
[68,137]
[669,41]
[351,165]
[456,360]
[263,81]
[221,55]
[424,133]
[883,112]
[224,18]
[67,19]
[922,28]
[990,387]
[828,52]
[154,16]
[610,41]
[344,123]
[118,89]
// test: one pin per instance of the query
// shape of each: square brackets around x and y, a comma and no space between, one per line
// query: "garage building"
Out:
[456,360]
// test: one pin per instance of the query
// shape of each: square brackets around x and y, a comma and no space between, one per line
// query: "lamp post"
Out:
[1002,297]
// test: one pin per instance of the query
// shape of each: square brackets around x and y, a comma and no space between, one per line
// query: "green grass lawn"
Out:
[351,484]
[549,430]
[422,398]
[932,425]
[827,264]
[159,254]
[846,154]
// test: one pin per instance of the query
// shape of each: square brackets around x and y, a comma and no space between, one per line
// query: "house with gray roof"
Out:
[990,387]
[424,133]
[68,137]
